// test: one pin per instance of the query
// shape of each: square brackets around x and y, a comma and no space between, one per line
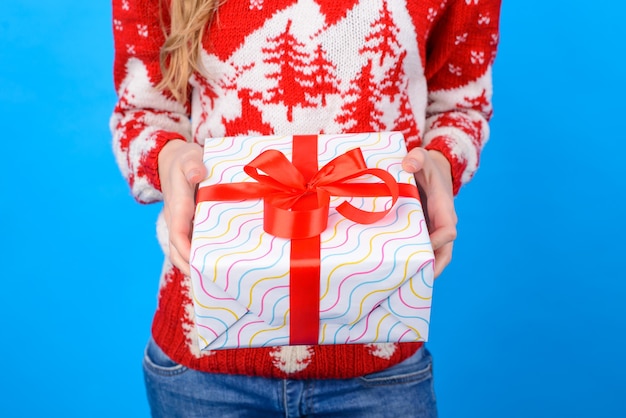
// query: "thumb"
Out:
[192,167]
[414,160]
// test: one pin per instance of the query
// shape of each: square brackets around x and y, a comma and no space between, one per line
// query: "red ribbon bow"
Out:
[296,199]
[284,189]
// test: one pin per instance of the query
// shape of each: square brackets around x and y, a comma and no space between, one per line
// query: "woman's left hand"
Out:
[433,175]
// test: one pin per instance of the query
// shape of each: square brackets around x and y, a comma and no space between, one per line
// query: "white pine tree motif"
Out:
[292,359]
[130,49]
[125,5]
[382,350]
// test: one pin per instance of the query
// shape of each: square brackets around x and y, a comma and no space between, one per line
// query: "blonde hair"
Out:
[183,42]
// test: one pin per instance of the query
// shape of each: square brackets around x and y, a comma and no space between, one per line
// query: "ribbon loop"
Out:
[280,172]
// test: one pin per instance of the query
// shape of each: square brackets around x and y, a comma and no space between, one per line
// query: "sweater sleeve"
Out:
[461,50]
[144,119]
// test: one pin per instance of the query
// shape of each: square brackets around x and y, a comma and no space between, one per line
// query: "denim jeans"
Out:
[404,390]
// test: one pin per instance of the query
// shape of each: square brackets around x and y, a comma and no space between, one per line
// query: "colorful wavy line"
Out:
[267,292]
[391,328]
[198,234]
[370,250]
[254,336]
[389,307]
[201,208]
[216,308]
[366,319]
[211,330]
[229,227]
[422,271]
[277,261]
[210,253]
[344,141]
[232,254]
[370,294]
[243,153]
[275,305]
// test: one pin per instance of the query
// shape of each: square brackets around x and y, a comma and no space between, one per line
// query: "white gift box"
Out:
[375,280]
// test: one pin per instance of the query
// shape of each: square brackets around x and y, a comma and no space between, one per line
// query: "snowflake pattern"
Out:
[455,70]
[461,39]
[256,4]
[142,30]
[432,14]
[484,19]
[477,57]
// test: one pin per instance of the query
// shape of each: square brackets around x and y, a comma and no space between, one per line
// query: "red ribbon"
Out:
[296,199]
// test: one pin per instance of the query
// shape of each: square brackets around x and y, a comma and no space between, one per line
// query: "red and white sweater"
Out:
[302,67]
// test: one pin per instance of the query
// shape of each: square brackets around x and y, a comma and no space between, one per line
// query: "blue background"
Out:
[529,319]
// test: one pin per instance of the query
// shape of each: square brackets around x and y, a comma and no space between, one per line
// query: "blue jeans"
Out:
[404,390]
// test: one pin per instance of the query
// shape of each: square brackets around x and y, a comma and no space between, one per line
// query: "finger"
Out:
[443,256]
[442,236]
[442,240]
[180,229]
[192,166]
[179,261]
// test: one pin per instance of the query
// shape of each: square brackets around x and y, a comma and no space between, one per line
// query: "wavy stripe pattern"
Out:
[376,280]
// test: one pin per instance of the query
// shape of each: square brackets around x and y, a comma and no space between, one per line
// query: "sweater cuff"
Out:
[457,165]
[151,161]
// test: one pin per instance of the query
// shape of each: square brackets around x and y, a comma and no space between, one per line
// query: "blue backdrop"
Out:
[529,319]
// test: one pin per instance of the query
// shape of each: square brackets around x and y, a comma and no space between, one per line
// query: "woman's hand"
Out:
[180,170]
[433,176]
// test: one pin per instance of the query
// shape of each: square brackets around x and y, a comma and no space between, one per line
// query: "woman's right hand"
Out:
[180,170]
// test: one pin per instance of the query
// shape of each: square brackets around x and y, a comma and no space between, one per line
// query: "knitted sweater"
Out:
[302,67]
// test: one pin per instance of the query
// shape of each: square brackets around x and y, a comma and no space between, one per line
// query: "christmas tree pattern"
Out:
[382,41]
[325,79]
[303,78]
[365,96]
[382,77]
[406,123]
[250,116]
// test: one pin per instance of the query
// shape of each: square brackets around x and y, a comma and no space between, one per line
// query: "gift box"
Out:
[310,239]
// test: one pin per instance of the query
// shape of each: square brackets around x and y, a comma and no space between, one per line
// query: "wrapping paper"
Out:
[375,279]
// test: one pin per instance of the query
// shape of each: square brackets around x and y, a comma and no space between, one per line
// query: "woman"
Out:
[186,71]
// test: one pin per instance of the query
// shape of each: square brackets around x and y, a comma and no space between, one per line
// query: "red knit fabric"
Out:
[303,67]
